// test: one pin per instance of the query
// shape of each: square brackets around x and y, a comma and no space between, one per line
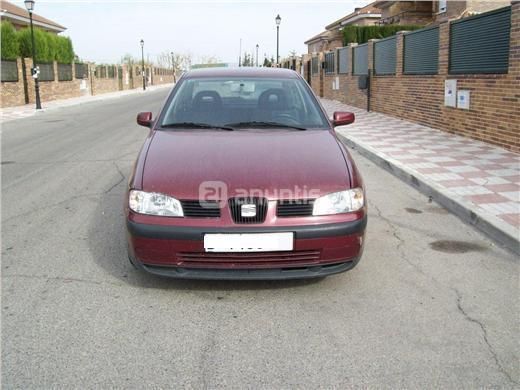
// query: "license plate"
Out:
[249,242]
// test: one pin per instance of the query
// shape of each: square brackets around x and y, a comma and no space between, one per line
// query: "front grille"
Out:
[200,208]
[295,208]
[248,259]
[235,205]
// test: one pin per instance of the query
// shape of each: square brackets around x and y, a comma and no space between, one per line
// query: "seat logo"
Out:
[248,210]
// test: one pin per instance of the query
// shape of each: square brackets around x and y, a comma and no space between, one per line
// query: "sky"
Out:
[104,31]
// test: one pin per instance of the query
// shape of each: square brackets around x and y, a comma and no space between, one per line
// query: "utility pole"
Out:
[240,54]
[278,20]
[29,4]
[142,65]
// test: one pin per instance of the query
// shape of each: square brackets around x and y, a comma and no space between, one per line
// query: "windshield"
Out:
[248,102]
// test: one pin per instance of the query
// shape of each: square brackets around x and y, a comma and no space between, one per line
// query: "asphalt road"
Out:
[433,303]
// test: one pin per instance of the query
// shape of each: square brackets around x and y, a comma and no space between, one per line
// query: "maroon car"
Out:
[242,177]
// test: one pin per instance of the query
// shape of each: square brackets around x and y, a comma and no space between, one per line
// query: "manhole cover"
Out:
[449,246]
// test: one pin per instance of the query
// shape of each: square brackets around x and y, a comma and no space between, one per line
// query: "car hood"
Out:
[271,163]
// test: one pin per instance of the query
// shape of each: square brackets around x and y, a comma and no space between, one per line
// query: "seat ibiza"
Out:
[242,177]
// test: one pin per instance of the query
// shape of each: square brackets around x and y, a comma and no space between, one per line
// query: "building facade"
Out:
[19,18]
[332,37]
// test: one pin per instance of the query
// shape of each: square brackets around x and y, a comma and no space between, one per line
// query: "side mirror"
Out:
[342,118]
[144,119]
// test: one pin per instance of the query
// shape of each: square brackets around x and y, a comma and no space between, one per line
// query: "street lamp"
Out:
[29,4]
[278,20]
[257,54]
[142,65]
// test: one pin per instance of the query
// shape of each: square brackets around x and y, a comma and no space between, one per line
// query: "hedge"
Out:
[49,47]
[9,42]
[362,34]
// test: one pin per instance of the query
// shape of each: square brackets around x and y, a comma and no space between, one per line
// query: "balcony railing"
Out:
[406,15]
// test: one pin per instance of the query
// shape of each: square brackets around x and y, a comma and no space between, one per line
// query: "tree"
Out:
[64,50]
[183,62]
[164,60]
[247,61]
[49,47]
[209,60]
[43,54]
[9,42]
[52,46]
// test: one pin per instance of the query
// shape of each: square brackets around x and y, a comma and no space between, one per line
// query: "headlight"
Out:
[154,204]
[339,202]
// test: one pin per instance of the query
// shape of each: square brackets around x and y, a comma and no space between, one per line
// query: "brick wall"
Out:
[347,90]
[51,90]
[13,93]
[494,114]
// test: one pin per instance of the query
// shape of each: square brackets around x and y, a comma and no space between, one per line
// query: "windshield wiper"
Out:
[194,125]
[265,124]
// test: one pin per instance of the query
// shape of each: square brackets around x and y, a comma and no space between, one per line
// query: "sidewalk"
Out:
[12,113]
[478,182]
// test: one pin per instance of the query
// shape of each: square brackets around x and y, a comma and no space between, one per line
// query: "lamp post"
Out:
[142,65]
[29,4]
[278,20]
[257,54]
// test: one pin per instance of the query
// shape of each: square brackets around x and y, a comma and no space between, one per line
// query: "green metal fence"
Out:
[64,72]
[421,51]
[315,65]
[46,72]
[480,44]
[330,59]
[343,60]
[9,70]
[385,56]
[81,70]
[360,60]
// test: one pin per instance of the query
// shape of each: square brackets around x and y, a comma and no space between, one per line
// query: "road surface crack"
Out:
[60,279]
[401,242]
[119,181]
[207,359]
[484,336]
[50,206]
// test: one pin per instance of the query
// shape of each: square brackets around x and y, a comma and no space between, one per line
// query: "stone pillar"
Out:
[55,68]
[371,54]
[514,48]
[444,48]
[399,54]
[351,47]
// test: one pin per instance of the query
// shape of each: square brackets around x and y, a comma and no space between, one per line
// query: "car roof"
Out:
[242,72]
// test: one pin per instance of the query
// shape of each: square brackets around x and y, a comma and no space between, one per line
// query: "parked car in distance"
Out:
[242,177]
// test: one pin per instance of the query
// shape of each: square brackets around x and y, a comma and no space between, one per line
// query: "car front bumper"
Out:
[178,251]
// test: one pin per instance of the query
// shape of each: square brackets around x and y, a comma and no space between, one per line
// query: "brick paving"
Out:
[484,177]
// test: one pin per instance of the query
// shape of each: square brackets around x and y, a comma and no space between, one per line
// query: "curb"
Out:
[488,224]
[92,99]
